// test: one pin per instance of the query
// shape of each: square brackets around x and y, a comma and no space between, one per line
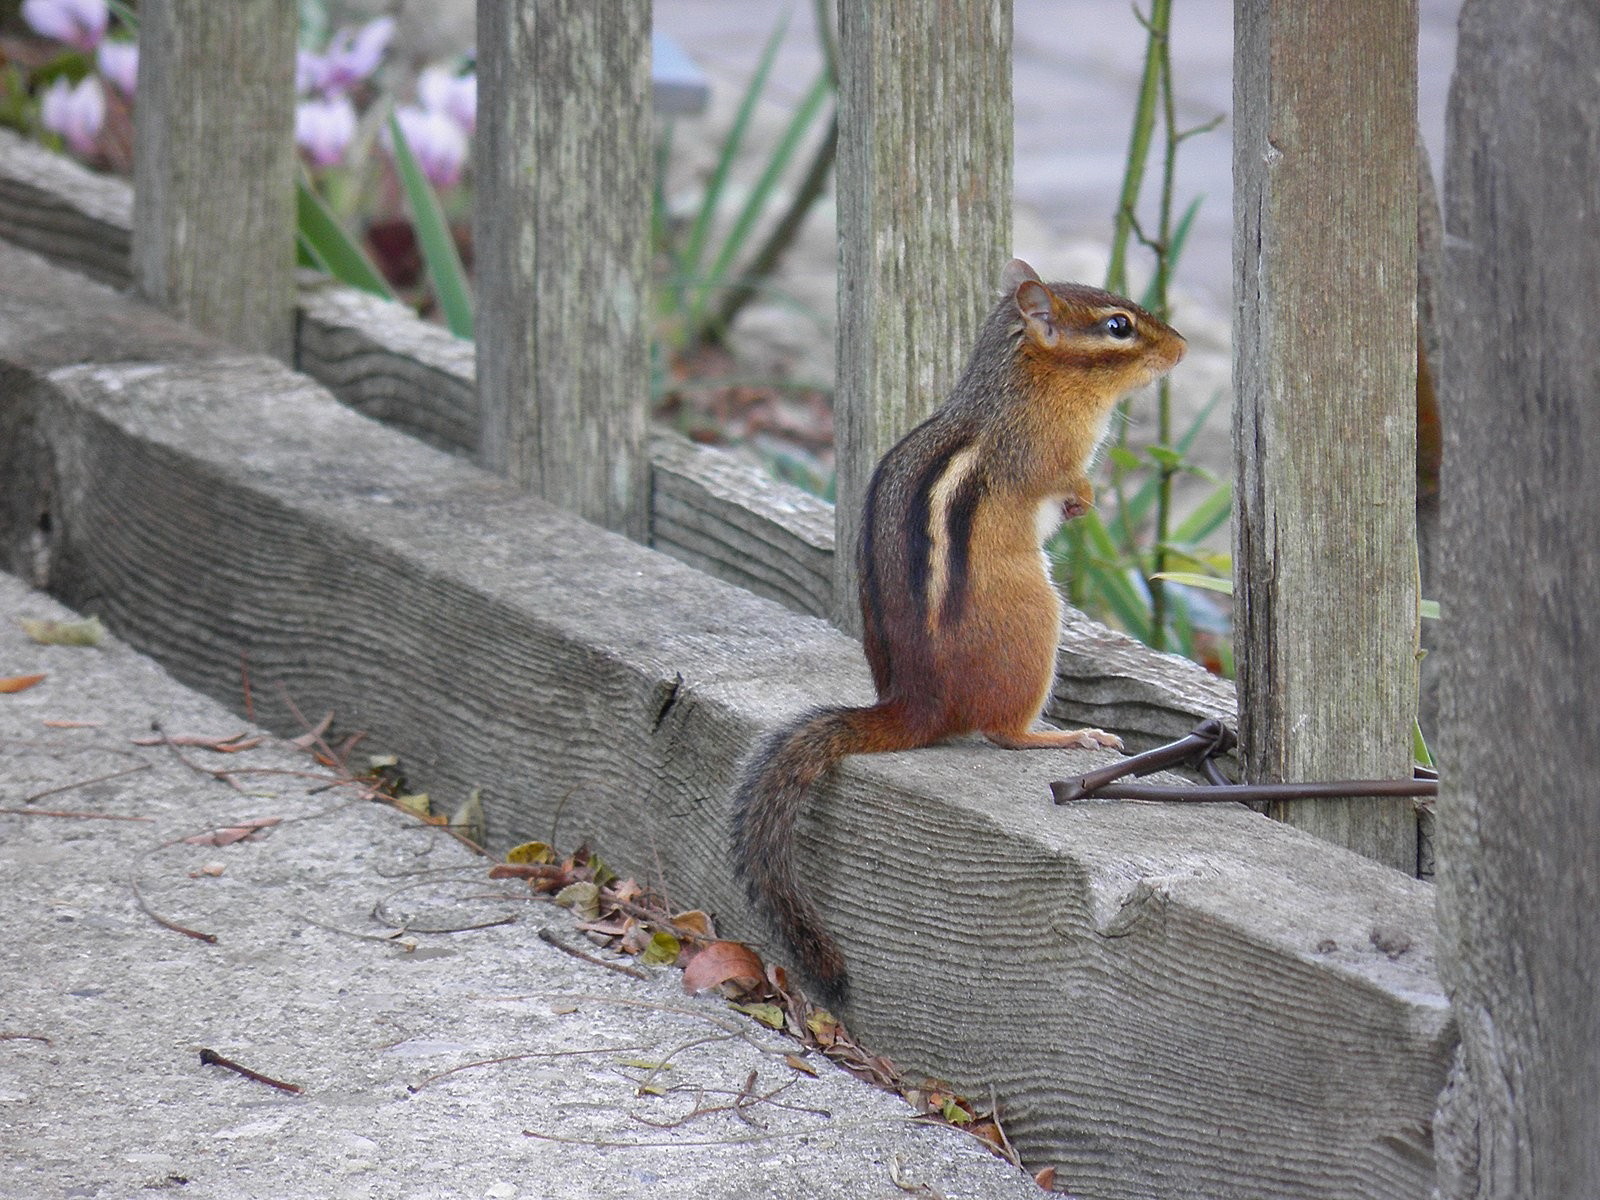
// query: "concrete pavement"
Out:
[359,953]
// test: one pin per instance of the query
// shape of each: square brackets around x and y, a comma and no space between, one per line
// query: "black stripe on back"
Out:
[919,545]
[963,507]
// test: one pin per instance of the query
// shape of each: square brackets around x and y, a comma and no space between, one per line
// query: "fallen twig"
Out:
[620,968]
[160,920]
[490,1062]
[82,816]
[67,787]
[211,1058]
[769,1136]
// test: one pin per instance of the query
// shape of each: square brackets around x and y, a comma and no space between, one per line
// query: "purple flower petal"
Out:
[439,144]
[76,113]
[355,54]
[456,96]
[119,62]
[79,23]
[323,129]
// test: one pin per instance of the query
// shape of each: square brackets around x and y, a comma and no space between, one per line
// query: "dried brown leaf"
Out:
[800,1064]
[312,736]
[696,922]
[227,835]
[18,683]
[719,963]
[230,743]
[533,870]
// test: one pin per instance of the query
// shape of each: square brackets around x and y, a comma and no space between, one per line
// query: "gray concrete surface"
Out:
[103,1011]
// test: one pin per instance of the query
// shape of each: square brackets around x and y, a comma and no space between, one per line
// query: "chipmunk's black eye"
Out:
[1118,325]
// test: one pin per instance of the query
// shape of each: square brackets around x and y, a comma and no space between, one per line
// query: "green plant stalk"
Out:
[445,272]
[332,250]
[1159,30]
[780,239]
[1138,151]
[1144,121]
[689,262]
[782,154]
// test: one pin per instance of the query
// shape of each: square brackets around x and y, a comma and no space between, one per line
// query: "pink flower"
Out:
[454,95]
[439,144]
[352,55]
[323,129]
[79,23]
[76,113]
[119,62]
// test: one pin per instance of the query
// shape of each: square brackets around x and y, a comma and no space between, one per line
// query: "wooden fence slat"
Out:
[561,230]
[1518,825]
[1325,229]
[924,194]
[214,215]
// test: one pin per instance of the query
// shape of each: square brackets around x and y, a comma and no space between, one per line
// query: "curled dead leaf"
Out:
[531,852]
[581,898]
[229,834]
[824,1026]
[719,963]
[769,1015]
[526,871]
[800,1064]
[696,922]
[417,804]
[85,632]
[662,949]
[1046,1178]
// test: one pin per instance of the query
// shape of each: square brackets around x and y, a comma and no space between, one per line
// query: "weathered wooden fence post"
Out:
[1325,252]
[924,193]
[562,233]
[214,214]
[1518,822]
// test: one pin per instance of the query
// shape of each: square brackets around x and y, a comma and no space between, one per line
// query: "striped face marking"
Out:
[951,502]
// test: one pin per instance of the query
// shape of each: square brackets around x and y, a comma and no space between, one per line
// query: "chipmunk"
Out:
[961,620]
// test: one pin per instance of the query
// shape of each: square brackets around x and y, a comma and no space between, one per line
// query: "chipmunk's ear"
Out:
[1015,275]
[1037,309]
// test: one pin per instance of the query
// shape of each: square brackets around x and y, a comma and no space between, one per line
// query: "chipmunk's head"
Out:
[1105,340]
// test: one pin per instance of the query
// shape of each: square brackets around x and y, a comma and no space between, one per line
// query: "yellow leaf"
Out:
[602,873]
[953,1112]
[663,949]
[824,1026]
[87,632]
[531,852]
[644,1064]
[581,898]
[768,1014]
[417,804]
[468,820]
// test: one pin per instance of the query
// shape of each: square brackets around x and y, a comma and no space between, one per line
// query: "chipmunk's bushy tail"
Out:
[767,804]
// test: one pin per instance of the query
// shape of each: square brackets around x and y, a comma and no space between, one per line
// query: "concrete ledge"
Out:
[1169,1001]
